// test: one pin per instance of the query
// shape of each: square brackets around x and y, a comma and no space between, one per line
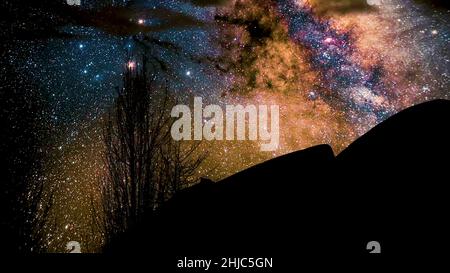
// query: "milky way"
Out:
[335,72]
[330,53]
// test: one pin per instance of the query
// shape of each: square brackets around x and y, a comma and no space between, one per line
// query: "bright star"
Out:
[131,64]
[328,40]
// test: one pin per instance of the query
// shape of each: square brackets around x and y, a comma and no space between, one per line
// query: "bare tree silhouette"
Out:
[144,165]
[25,194]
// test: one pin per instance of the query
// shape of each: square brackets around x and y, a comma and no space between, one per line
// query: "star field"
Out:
[335,73]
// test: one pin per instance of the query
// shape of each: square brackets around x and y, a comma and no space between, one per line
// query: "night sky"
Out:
[335,68]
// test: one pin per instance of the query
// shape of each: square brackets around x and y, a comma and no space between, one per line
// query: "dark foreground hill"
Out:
[388,186]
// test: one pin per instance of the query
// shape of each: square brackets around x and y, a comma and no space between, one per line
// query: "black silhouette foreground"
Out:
[388,186]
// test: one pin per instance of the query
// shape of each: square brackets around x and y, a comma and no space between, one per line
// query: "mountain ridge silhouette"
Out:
[387,186]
